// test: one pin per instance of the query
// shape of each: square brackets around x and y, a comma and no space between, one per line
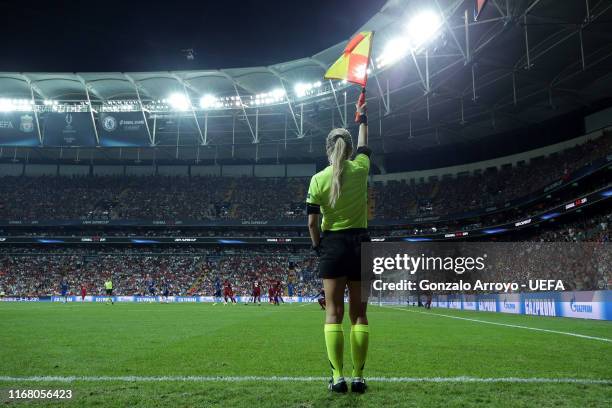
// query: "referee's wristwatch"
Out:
[316,250]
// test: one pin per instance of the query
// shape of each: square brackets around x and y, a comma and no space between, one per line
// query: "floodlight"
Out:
[6,105]
[179,101]
[394,50]
[278,93]
[423,27]
[300,89]
[208,101]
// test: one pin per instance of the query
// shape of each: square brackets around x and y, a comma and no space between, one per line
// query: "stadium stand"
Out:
[251,198]
[36,271]
[187,271]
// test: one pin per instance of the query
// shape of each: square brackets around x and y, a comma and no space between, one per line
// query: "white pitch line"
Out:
[516,326]
[462,379]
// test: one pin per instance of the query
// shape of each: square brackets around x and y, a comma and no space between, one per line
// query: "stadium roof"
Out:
[522,62]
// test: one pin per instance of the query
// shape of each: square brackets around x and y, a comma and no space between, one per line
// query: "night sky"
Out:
[149,36]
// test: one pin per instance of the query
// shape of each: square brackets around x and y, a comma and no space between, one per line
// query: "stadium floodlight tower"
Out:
[210,101]
[179,101]
[423,28]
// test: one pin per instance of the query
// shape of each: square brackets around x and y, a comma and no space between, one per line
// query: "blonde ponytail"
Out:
[339,148]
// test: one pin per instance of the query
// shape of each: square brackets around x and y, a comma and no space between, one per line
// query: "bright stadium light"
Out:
[394,50]
[209,101]
[300,89]
[6,105]
[278,93]
[423,28]
[179,101]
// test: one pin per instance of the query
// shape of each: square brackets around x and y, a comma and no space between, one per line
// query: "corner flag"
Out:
[352,66]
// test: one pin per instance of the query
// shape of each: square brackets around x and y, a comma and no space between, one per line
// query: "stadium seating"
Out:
[37,271]
[249,198]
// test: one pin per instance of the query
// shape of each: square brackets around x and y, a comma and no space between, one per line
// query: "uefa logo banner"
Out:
[68,129]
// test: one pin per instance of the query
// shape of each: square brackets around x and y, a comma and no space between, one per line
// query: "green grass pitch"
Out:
[180,340]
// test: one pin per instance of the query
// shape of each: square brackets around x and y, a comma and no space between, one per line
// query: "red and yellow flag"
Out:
[352,66]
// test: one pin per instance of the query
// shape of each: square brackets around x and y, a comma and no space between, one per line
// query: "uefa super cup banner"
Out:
[18,129]
[123,129]
[68,129]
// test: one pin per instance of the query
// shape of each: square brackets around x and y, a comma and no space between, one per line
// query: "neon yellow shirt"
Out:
[351,210]
[108,285]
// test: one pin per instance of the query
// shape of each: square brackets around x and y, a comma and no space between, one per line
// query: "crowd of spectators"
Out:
[191,271]
[258,199]
[150,198]
[582,261]
[493,187]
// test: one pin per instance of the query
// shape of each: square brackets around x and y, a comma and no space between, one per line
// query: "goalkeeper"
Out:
[339,194]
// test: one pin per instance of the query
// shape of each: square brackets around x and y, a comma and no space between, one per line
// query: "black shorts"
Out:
[109,292]
[341,254]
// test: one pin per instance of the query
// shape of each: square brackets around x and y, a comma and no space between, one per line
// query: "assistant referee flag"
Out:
[352,66]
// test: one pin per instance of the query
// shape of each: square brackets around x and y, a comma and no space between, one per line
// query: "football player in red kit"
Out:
[228,293]
[271,293]
[321,299]
[256,293]
[83,292]
[278,293]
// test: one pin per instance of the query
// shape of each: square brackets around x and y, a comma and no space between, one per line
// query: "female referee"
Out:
[339,193]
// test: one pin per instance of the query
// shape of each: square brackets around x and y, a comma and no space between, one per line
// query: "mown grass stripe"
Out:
[461,379]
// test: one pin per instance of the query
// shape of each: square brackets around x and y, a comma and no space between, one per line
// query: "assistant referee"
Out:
[339,194]
[108,287]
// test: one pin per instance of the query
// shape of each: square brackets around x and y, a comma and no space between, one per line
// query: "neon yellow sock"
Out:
[334,340]
[360,334]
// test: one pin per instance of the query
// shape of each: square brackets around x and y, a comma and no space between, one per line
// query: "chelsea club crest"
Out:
[109,123]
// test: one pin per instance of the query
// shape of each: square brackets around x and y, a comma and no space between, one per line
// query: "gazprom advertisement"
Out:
[18,129]
[68,129]
[584,305]
[123,129]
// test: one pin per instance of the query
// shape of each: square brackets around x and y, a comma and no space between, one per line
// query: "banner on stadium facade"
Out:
[68,129]
[18,129]
[123,129]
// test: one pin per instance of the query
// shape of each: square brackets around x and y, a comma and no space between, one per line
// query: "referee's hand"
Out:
[316,250]
[361,109]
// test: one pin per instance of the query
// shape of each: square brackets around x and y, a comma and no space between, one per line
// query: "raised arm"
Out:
[362,140]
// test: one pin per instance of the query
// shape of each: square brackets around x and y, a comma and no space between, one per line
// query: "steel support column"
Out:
[342,119]
[91,112]
[144,116]
[35,113]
